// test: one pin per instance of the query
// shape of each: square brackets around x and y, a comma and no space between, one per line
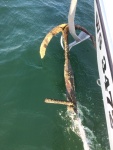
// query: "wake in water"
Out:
[85,134]
[79,129]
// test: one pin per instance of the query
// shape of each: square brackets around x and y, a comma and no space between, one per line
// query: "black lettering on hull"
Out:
[109,99]
[111,118]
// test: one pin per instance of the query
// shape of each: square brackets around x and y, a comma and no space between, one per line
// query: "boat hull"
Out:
[105,66]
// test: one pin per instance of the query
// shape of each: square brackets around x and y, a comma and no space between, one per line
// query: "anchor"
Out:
[68,72]
[65,29]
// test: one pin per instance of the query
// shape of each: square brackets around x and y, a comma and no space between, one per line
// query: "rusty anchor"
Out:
[71,102]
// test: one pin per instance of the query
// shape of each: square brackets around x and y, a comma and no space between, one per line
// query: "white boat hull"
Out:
[105,65]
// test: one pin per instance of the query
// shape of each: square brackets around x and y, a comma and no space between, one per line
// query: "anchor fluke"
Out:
[48,38]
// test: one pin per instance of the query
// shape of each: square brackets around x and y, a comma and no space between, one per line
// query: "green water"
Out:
[26,122]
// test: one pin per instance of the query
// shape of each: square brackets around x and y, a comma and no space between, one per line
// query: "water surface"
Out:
[26,122]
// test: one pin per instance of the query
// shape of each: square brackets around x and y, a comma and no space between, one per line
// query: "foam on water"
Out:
[76,125]
[79,129]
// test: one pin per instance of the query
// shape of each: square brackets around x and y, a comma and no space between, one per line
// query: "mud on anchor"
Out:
[68,72]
